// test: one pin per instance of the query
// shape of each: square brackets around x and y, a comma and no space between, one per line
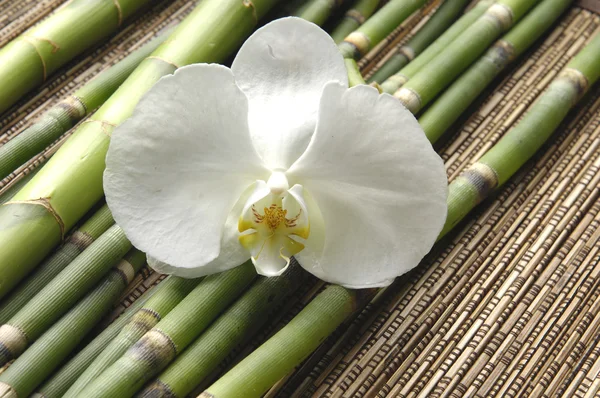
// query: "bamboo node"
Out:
[74,107]
[119,12]
[55,47]
[501,14]
[359,41]
[250,4]
[157,389]
[6,391]
[502,53]
[45,203]
[410,99]
[577,79]
[164,60]
[408,52]
[356,15]
[80,240]
[13,340]
[145,319]
[155,348]
[398,79]
[482,177]
[126,270]
[105,126]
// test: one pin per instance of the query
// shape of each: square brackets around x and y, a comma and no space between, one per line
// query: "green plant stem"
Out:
[457,98]
[433,28]
[46,354]
[68,186]
[230,330]
[69,111]
[358,13]
[171,292]
[317,11]
[59,383]
[354,76]
[376,28]
[28,60]
[158,347]
[458,55]
[79,240]
[394,82]
[59,295]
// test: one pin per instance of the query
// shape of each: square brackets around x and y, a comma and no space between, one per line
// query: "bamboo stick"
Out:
[79,240]
[46,354]
[317,11]
[27,61]
[67,187]
[394,82]
[445,15]
[172,291]
[376,28]
[458,55]
[457,98]
[69,111]
[58,296]
[242,320]
[9,192]
[169,337]
[358,13]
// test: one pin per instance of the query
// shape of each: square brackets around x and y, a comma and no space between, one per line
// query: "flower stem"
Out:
[40,360]
[28,60]
[59,295]
[170,294]
[159,347]
[69,111]
[457,98]
[358,13]
[71,182]
[433,28]
[394,82]
[460,53]
[79,240]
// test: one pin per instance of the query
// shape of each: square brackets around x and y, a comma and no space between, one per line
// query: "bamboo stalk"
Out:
[317,11]
[376,28]
[79,240]
[457,98]
[445,15]
[68,186]
[394,82]
[59,383]
[58,296]
[8,192]
[46,354]
[358,13]
[172,291]
[242,320]
[458,55]
[28,60]
[169,337]
[69,111]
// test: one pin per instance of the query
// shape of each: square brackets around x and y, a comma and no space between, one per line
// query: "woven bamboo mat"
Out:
[506,306]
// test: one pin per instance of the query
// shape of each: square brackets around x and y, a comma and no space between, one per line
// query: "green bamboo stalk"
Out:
[59,383]
[354,76]
[68,112]
[457,98]
[79,240]
[445,15]
[290,346]
[28,60]
[47,353]
[172,291]
[462,52]
[358,13]
[317,11]
[241,321]
[376,28]
[158,347]
[68,186]
[58,296]
[8,192]
[394,82]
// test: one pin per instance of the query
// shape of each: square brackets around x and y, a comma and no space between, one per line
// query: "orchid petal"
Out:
[282,68]
[177,167]
[379,185]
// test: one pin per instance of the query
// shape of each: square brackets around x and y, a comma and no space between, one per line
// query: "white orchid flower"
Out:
[273,158]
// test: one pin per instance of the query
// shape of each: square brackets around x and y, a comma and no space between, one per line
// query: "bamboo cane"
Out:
[458,55]
[394,82]
[280,354]
[317,11]
[376,28]
[27,61]
[158,347]
[61,293]
[8,192]
[457,98]
[46,354]
[69,111]
[79,240]
[172,291]
[67,187]
[358,13]
[437,24]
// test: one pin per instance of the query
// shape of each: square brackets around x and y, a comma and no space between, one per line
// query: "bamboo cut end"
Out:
[360,42]
[155,348]
[6,391]
[145,319]
[157,389]
[502,15]
[578,80]
[482,177]
[126,270]
[408,52]
[13,342]
[410,99]
[356,15]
